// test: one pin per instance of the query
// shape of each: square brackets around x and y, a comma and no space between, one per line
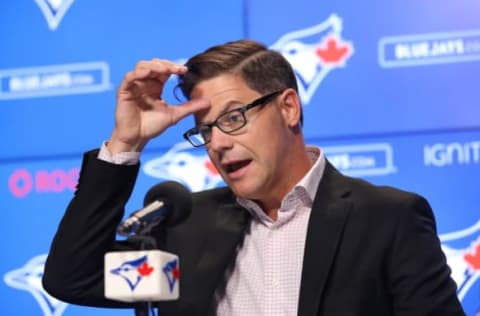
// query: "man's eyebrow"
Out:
[230,105]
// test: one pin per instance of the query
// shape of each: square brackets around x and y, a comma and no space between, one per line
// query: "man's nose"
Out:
[219,140]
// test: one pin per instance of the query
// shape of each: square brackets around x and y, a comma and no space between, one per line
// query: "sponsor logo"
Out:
[54,80]
[362,160]
[172,273]
[133,271]
[314,52]
[184,163]
[54,11]
[23,182]
[29,278]
[462,249]
[456,153]
[428,49]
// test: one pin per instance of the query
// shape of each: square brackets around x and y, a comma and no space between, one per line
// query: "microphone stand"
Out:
[146,242]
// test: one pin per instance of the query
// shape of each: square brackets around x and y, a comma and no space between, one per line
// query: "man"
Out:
[289,236]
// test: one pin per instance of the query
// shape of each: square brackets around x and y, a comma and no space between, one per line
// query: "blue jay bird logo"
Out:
[172,272]
[29,278]
[314,52]
[187,165]
[53,11]
[462,249]
[133,271]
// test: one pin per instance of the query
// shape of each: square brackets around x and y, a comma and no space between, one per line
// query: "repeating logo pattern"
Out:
[363,159]
[429,49]
[133,271]
[54,80]
[462,249]
[185,164]
[172,272]
[314,52]
[54,11]
[29,278]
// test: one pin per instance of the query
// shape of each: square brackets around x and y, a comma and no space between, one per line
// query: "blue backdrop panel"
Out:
[428,78]
[388,90]
[81,62]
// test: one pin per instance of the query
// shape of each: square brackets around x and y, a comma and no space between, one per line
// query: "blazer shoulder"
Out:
[368,192]
[386,202]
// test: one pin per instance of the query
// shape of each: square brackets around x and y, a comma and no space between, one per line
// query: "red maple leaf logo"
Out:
[145,269]
[332,50]
[176,273]
[473,258]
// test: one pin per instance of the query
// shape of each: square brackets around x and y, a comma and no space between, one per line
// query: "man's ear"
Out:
[291,107]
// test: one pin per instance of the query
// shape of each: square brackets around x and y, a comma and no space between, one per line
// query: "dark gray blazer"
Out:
[369,250]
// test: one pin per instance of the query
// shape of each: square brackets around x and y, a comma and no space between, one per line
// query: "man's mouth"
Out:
[236,165]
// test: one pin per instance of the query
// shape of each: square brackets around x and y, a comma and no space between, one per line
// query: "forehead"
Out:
[223,92]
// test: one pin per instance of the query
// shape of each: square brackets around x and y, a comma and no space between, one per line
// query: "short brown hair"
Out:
[263,70]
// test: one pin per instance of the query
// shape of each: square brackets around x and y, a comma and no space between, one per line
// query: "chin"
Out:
[244,191]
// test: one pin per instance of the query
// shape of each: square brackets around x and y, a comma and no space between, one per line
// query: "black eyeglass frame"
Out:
[197,129]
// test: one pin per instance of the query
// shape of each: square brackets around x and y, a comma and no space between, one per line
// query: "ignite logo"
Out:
[133,271]
[54,10]
[180,163]
[314,52]
[29,278]
[172,272]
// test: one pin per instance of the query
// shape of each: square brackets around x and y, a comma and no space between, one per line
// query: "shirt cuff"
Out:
[123,158]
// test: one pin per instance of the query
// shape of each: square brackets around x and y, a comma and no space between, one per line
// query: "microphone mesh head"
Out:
[176,197]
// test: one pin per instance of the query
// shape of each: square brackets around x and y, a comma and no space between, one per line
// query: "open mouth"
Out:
[237,165]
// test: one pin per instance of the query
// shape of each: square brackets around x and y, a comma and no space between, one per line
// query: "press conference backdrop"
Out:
[389,88]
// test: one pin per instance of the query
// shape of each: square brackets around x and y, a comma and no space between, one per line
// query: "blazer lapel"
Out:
[227,231]
[329,213]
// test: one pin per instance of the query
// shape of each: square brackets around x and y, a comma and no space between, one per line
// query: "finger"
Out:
[162,66]
[152,70]
[187,108]
[138,75]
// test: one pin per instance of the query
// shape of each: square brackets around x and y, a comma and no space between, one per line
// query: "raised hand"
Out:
[141,113]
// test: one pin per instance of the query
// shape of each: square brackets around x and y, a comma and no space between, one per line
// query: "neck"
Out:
[299,168]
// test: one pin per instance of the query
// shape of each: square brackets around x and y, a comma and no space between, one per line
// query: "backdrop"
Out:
[389,88]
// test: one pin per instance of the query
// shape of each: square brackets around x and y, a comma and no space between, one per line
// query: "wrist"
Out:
[116,145]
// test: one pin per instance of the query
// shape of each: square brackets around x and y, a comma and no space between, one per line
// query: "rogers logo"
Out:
[23,182]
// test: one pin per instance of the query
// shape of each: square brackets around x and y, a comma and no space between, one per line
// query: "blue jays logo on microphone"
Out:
[462,249]
[54,11]
[314,52]
[133,271]
[29,278]
[172,272]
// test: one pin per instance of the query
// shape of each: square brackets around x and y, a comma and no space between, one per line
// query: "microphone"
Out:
[169,202]
[148,275]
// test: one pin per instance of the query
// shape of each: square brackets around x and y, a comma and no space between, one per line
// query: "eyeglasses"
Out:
[227,122]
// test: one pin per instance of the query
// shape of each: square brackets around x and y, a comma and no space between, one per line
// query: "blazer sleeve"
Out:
[419,275]
[74,267]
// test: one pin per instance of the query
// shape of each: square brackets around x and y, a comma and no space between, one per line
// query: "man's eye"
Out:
[234,118]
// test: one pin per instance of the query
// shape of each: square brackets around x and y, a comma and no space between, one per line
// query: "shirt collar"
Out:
[302,194]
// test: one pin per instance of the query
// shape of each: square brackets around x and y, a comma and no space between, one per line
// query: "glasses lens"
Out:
[196,139]
[231,121]
[199,136]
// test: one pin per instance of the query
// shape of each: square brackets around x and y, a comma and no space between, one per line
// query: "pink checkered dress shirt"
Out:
[266,277]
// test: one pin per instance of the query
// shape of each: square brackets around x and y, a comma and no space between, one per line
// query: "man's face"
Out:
[252,159]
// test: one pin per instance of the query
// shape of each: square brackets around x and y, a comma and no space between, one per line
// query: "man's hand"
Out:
[141,114]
